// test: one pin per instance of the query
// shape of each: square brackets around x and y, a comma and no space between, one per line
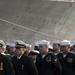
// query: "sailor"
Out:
[47,63]
[11,51]
[66,58]
[50,48]
[7,47]
[73,47]
[56,46]
[6,67]
[33,54]
[3,48]
[36,46]
[28,49]
[23,65]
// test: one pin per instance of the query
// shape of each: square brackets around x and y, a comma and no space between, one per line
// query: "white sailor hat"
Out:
[7,43]
[36,44]
[34,52]
[44,42]
[19,43]
[64,43]
[56,42]
[2,44]
[28,45]
[12,45]
[50,47]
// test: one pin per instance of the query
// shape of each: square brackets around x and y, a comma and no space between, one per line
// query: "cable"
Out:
[28,29]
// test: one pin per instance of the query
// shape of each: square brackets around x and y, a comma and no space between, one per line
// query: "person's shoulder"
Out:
[60,53]
[3,57]
[14,57]
[50,53]
[71,54]
[26,57]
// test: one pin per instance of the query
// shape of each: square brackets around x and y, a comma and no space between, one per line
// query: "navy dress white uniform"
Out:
[67,60]
[23,66]
[6,67]
[47,64]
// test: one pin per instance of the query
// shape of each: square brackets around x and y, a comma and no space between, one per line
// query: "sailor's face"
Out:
[64,48]
[56,46]
[43,48]
[1,49]
[19,51]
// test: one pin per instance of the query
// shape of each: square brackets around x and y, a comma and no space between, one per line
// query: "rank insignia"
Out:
[69,60]
[48,58]
[1,65]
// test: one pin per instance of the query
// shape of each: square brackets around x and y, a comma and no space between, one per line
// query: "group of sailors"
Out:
[18,59]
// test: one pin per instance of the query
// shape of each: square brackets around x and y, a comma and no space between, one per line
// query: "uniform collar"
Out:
[18,57]
[3,53]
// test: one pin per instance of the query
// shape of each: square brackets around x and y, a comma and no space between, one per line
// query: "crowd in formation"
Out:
[18,58]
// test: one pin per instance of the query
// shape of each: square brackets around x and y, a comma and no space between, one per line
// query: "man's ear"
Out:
[46,46]
[68,46]
[24,49]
